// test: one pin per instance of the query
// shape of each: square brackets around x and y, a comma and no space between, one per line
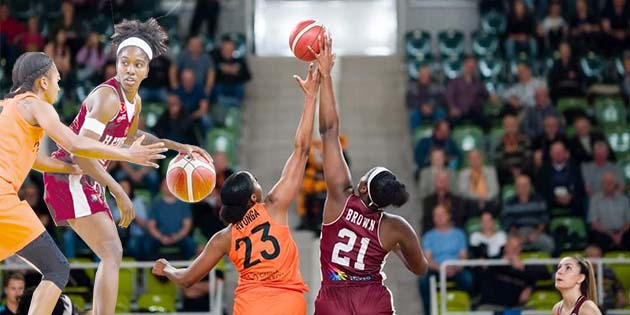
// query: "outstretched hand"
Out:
[146,154]
[326,57]
[310,85]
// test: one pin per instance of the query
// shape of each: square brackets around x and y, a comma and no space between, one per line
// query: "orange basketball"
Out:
[305,34]
[190,180]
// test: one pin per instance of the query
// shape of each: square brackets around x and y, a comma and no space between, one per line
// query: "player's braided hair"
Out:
[149,31]
[28,68]
[387,190]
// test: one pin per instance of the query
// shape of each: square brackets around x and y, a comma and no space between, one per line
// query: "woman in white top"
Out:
[488,242]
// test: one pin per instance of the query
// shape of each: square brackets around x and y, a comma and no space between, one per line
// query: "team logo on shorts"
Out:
[94,198]
[337,275]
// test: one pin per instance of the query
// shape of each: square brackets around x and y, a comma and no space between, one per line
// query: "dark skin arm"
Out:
[398,236]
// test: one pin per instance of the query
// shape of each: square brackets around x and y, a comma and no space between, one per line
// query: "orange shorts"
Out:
[270,301]
[19,225]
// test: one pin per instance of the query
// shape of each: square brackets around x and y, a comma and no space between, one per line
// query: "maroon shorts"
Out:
[366,299]
[73,196]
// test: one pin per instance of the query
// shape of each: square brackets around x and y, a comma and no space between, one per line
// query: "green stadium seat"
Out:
[610,112]
[535,255]
[240,47]
[507,192]
[90,272]
[474,225]
[569,253]
[619,139]
[456,301]
[127,279]
[152,112]
[77,300]
[452,67]
[468,138]
[560,212]
[154,286]
[493,23]
[222,140]
[543,300]
[451,43]
[496,134]
[421,133]
[484,45]
[490,68]
[568,232]
[622,271]
[573,224]
[593,67]
[123,304]
[417,44]
[157,303]
[567,103]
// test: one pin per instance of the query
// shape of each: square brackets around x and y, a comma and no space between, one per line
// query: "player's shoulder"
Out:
[555,310]
[395,223]
[101,100]
[589,308]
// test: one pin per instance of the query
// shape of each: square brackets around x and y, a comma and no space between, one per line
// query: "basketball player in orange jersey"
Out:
[575,279]
[258,239]
[109,114]
[25,114]
[357,234]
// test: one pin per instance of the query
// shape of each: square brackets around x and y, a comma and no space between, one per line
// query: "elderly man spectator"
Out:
[532,123]
[521,94]
[194,99]
[478,184]
[560,182]
[526,214]
[551,133]
[425,99]
[513,153]
[593,171]
[443,196]
[427,174]
[565,77]
[466,95]
[195,59]
[441,138]
[609,216]
[583,142]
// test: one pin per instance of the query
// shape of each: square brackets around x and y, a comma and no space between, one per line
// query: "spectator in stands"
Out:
[10,29]
[513,153]
[91,58]
[553,27]
[615,25]
[507,286]
[560,182]
[609,216]
[142,176]
[585,28]
[175,123]
[208,11]
[532,123]
[136,234]
[438,164]
[522,93]
[232,74]
[32,39]
[64,305]
[440,139]
[520,31]
[195,59]
[206,212]
[478,184]
[593,171]
[487,243]
[614,294]
[170,223]
[551,133]
[71,25]
[582,144]
[444,242]
[443,196]
[60,53]
[565,77]
[466,94]
[154,88]
[625,79]
[194,99]
[425,99]
[13,290]
[526,214]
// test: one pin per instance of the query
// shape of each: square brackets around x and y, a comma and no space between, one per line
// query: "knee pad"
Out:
[57,271]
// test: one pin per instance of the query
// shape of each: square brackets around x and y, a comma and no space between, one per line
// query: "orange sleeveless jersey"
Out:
[264,253]
[19,147]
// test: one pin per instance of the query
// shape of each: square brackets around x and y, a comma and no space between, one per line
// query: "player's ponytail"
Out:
[235,196]
[588,286]
[27,69]
[386,190]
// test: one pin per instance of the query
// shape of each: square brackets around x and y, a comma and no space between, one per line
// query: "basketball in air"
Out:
[190,180]
[306,34]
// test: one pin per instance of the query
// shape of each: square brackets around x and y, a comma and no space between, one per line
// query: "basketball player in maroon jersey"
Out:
[109,114]
[357,234]
[575,279]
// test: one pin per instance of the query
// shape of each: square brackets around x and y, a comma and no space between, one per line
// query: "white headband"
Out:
[377,170]
[138,42]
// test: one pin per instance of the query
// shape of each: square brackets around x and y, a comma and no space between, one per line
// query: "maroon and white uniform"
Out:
[75,196]
[352,260]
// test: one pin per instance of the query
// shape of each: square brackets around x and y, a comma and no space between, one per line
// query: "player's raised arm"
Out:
[408,248]
[290,182]
[336,170]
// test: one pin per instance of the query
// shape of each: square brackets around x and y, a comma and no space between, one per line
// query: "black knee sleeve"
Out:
[44,254]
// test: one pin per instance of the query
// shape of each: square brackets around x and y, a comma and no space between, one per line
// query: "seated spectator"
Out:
[520,31]
[565,77]
[615,25]
[504,287]
[513,153]
[444,242]
[521,94]
[136,234]
[142,176]
[194,99]
[440,138]
[583,142]
[465,96]
[232,74]
[425,99]
[614,294]
[478,184]
[585,28]
[32,40]
[553,27]
[609,216]
[444,197]
[154,88]
[175,123]
[64,305]
[593,171]
[526,214]
[551,133]
[532,123]
[10,29]
[195,59]
[13,290]
[206,212]
[625,79]
[170,223]
[59,51]
[91,58]
[70,24]
[560,182]
[427,174]
[487,243]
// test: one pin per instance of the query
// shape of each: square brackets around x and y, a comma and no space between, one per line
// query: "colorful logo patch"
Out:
[336,275]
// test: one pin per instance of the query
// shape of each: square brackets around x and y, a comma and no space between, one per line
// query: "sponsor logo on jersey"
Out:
[336,275]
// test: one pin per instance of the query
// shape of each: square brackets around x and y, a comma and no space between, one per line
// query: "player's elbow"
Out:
[329,129]
[420,268]
[302,148]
